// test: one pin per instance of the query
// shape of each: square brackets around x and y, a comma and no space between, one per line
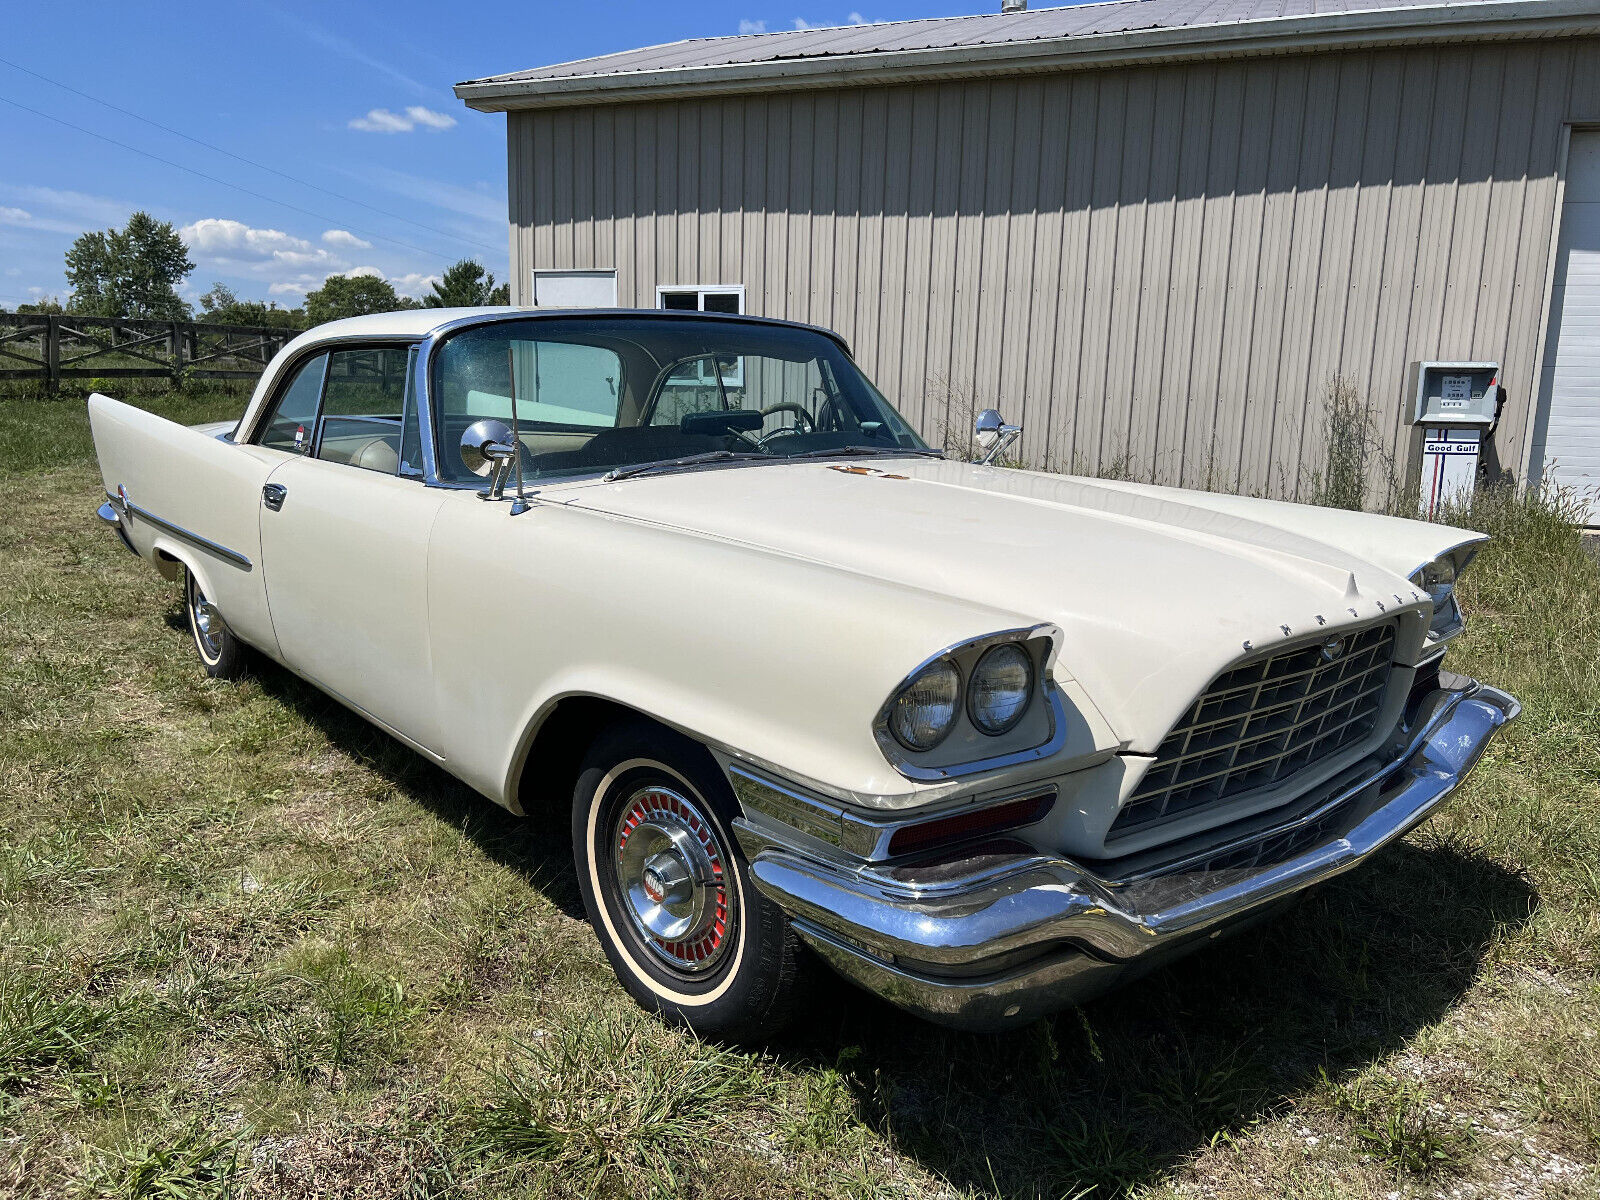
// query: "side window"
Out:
[293,422]
[559,384]
[572,384]
[362,407]
[410,422]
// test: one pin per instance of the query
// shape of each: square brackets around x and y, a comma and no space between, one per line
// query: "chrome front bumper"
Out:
[1007,936]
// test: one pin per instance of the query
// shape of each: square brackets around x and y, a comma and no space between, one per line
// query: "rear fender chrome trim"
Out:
[131,510]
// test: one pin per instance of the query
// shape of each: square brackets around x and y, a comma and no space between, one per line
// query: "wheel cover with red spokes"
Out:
[672,873]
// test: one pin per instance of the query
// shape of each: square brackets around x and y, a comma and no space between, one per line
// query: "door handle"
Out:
[272,495]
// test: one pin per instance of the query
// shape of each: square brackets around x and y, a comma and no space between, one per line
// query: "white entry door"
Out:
[1570,453]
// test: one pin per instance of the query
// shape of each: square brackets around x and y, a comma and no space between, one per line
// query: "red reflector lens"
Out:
[963,825]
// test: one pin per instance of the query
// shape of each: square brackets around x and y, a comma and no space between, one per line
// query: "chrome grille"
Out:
[1261,723]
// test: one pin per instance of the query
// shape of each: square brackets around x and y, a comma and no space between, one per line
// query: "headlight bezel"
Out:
[1448,619]
[1039,732]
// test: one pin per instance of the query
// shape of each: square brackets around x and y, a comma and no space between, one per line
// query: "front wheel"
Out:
[220,652]
[668,893]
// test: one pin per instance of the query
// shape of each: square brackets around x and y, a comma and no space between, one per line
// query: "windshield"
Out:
[596,395]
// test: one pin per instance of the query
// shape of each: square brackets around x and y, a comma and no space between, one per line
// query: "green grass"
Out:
[250,946]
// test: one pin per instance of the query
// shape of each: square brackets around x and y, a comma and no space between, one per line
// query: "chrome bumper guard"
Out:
[1008,936]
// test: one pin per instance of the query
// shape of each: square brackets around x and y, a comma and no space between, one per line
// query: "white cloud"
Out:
[752,26]
[857,19]
[381,120]
[357,272]
[429,118]
[81,206]
[343,239]
[13,216]
[225,240]
[415,284]
[802,23]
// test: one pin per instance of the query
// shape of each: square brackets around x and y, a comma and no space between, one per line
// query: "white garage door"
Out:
[1571,384]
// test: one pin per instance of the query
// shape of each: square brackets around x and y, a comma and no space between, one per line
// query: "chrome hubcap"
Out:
[207,622]
[672,872]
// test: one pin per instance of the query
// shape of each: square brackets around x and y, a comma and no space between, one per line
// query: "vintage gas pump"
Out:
[1452,407]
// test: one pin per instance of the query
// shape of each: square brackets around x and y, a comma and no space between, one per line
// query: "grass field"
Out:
[249,946]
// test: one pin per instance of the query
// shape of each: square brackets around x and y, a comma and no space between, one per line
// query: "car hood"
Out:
[1156,590]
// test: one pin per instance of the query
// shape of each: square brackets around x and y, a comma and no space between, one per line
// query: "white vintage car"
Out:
[984,740]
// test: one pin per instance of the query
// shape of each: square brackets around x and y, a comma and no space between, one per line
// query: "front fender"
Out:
[781,660]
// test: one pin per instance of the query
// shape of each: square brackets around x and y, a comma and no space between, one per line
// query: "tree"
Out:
[352,296]
[466,284]
[220,306]
[130,272]
[47,304]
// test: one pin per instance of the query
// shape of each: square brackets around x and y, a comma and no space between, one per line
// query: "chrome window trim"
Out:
[323,345]
[129,509]
[904,762]
[287,376]
[408,403]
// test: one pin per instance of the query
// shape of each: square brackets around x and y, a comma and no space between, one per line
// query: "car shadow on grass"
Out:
[1116,1094]
[536,847]
[1109,1097]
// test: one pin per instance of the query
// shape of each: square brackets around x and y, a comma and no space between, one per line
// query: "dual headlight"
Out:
[1438,579]
[996,696]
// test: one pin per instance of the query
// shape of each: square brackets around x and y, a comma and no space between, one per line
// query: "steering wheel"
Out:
[789,406]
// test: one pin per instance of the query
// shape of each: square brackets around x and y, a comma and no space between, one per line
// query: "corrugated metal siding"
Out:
[1159,270]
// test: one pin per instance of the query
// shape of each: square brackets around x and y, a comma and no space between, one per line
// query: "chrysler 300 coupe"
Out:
[984,740]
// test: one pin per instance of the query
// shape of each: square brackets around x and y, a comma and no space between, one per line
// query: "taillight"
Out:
[962,826]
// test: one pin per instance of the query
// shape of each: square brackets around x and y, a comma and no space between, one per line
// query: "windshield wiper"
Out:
[894,451]
[678,464]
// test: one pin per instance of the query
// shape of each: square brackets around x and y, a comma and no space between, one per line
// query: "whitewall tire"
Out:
[221,654]
[668,893]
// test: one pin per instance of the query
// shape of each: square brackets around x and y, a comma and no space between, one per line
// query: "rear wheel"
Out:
[668,893]
[220,652]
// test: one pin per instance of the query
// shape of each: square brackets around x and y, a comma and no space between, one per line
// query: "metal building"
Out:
[1155,231]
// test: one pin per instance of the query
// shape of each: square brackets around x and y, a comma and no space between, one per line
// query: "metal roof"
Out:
[1041,39]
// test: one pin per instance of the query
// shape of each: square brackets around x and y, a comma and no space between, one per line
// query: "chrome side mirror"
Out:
[994,435]
[488,450]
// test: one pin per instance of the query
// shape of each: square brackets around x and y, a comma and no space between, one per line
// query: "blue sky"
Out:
[352,98]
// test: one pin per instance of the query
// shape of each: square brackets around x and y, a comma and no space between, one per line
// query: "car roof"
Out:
[415,323]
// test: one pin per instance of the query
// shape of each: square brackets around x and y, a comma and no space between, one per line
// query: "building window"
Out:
[716,298]
[575,289]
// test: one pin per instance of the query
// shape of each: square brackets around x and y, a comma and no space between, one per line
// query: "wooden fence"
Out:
[56,346]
